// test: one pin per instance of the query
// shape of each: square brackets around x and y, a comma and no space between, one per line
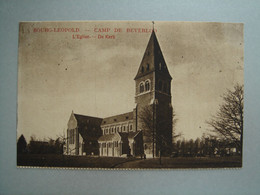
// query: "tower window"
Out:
[147,66]
[160,85]
[141,88]
[142,69]
[147,85]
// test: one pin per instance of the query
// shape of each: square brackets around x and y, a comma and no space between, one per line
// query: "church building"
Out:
[146,130]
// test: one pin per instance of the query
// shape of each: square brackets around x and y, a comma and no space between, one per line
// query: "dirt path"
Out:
[129,164]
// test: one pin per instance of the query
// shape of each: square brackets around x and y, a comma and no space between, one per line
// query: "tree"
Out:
[174,134]
[228,121]
[147,118]
[197,146]
[21,145]
[154,130]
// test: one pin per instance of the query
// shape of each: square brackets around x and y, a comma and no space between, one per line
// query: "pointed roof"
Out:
[88,126]
[108,137]
[153,59]
[85,120]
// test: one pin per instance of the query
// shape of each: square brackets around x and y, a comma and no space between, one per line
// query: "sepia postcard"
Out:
[130,95]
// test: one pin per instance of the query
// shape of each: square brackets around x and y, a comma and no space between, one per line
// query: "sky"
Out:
[93,76]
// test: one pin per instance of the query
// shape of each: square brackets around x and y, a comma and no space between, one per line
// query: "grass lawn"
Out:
[52,160]
[185,162]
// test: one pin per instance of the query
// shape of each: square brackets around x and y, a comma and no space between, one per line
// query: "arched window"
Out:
[141,87]
[147,86]
[147,66]
[160,85]
[71,136]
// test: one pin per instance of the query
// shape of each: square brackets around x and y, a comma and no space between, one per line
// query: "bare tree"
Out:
[148,119]
[228,121]
[174,121]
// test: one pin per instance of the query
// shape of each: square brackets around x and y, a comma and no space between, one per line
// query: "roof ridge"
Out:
[118,115]
[87,116]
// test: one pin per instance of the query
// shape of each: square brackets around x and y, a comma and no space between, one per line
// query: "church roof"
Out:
[153,60]
[118,118]
[132,135]
[106,137]
[124,136]
[83,120]
[88,126]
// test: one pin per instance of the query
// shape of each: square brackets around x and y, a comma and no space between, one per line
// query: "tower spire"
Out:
[153,94]
[153,59]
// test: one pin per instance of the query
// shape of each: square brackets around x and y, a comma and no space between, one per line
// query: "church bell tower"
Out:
[153,112]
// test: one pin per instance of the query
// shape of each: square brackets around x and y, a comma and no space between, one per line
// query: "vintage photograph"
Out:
[130,95]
